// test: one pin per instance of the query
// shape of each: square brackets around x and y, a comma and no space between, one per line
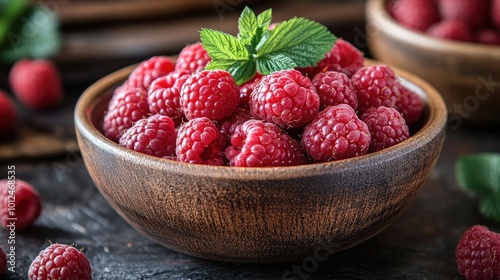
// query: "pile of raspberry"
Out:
[476,21]
[336,110]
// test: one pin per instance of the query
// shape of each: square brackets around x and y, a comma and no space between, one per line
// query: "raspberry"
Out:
[228,126]
[285,98]
[478,254]
[375,86]
[335,88]
[261,144]
[387,127]
[343,57]
[336,133]
[164,96]
[127,105]
[410,106]
[192,58]
[8,114]
[210,93]
[36,83]
[246,90]
[451,30]
[474,13]
[149,70]
[28,205]
[59,261]
[3,261]
[488,36]
[495,13]
[200,141]
[154,136]
[415,14]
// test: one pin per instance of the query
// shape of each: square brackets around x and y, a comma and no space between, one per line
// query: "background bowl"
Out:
[467,75]
[259,214]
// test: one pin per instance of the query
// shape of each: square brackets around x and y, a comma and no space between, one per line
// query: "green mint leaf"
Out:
[223,46]
[489,206]
[35,35]
[10,12]
[304,41]
[269,63]
[247,24]
[252,27]
[241,70]
[479,173]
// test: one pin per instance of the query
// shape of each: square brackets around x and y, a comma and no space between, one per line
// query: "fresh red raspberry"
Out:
[8,114]
[36,83]
[127,106]
[210,93]
[478,254]
[18,201]
[192,58]
[376,85]
[343,57]
[200,141]
[154,136]
[387,127]
[3,261]
[228,126]
[164,96]
[256,143]
[495,13]
[488,36]
[410,106]
[149,70]
[474,13]
[336,133]
[451,30]
[60,261]
[335,88]
[285,98]
[246,90]
[415,14]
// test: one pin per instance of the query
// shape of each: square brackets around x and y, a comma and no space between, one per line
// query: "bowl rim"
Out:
[378,15]
[435,125]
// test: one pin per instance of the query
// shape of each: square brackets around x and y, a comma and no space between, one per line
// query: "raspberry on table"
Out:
[60,261]
[473,13]
[343,57]
[387,127]
[28,205]
[164,96]
[192,58]
[200,141]
[285,98]
[127,106]
[335,88]
[256,143]
[376,85]
[8,114]
[228,126]
[410,106]
[336,133]
[154,136]
[149,70]
[478,254]
[36,83]
[415,14]
[3,261]
[451,30]
[210,93]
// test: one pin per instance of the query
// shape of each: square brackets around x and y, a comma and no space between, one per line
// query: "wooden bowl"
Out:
[259,214]
[466,74]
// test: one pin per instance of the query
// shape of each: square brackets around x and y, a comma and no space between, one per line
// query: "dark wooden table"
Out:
[419,245]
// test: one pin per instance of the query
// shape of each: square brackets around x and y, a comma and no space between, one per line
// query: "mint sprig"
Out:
[297,42]
[480,174]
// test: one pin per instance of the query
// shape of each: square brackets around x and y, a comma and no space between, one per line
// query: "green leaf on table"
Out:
[35,34]
[297,42]
[480,173]
[10,11]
